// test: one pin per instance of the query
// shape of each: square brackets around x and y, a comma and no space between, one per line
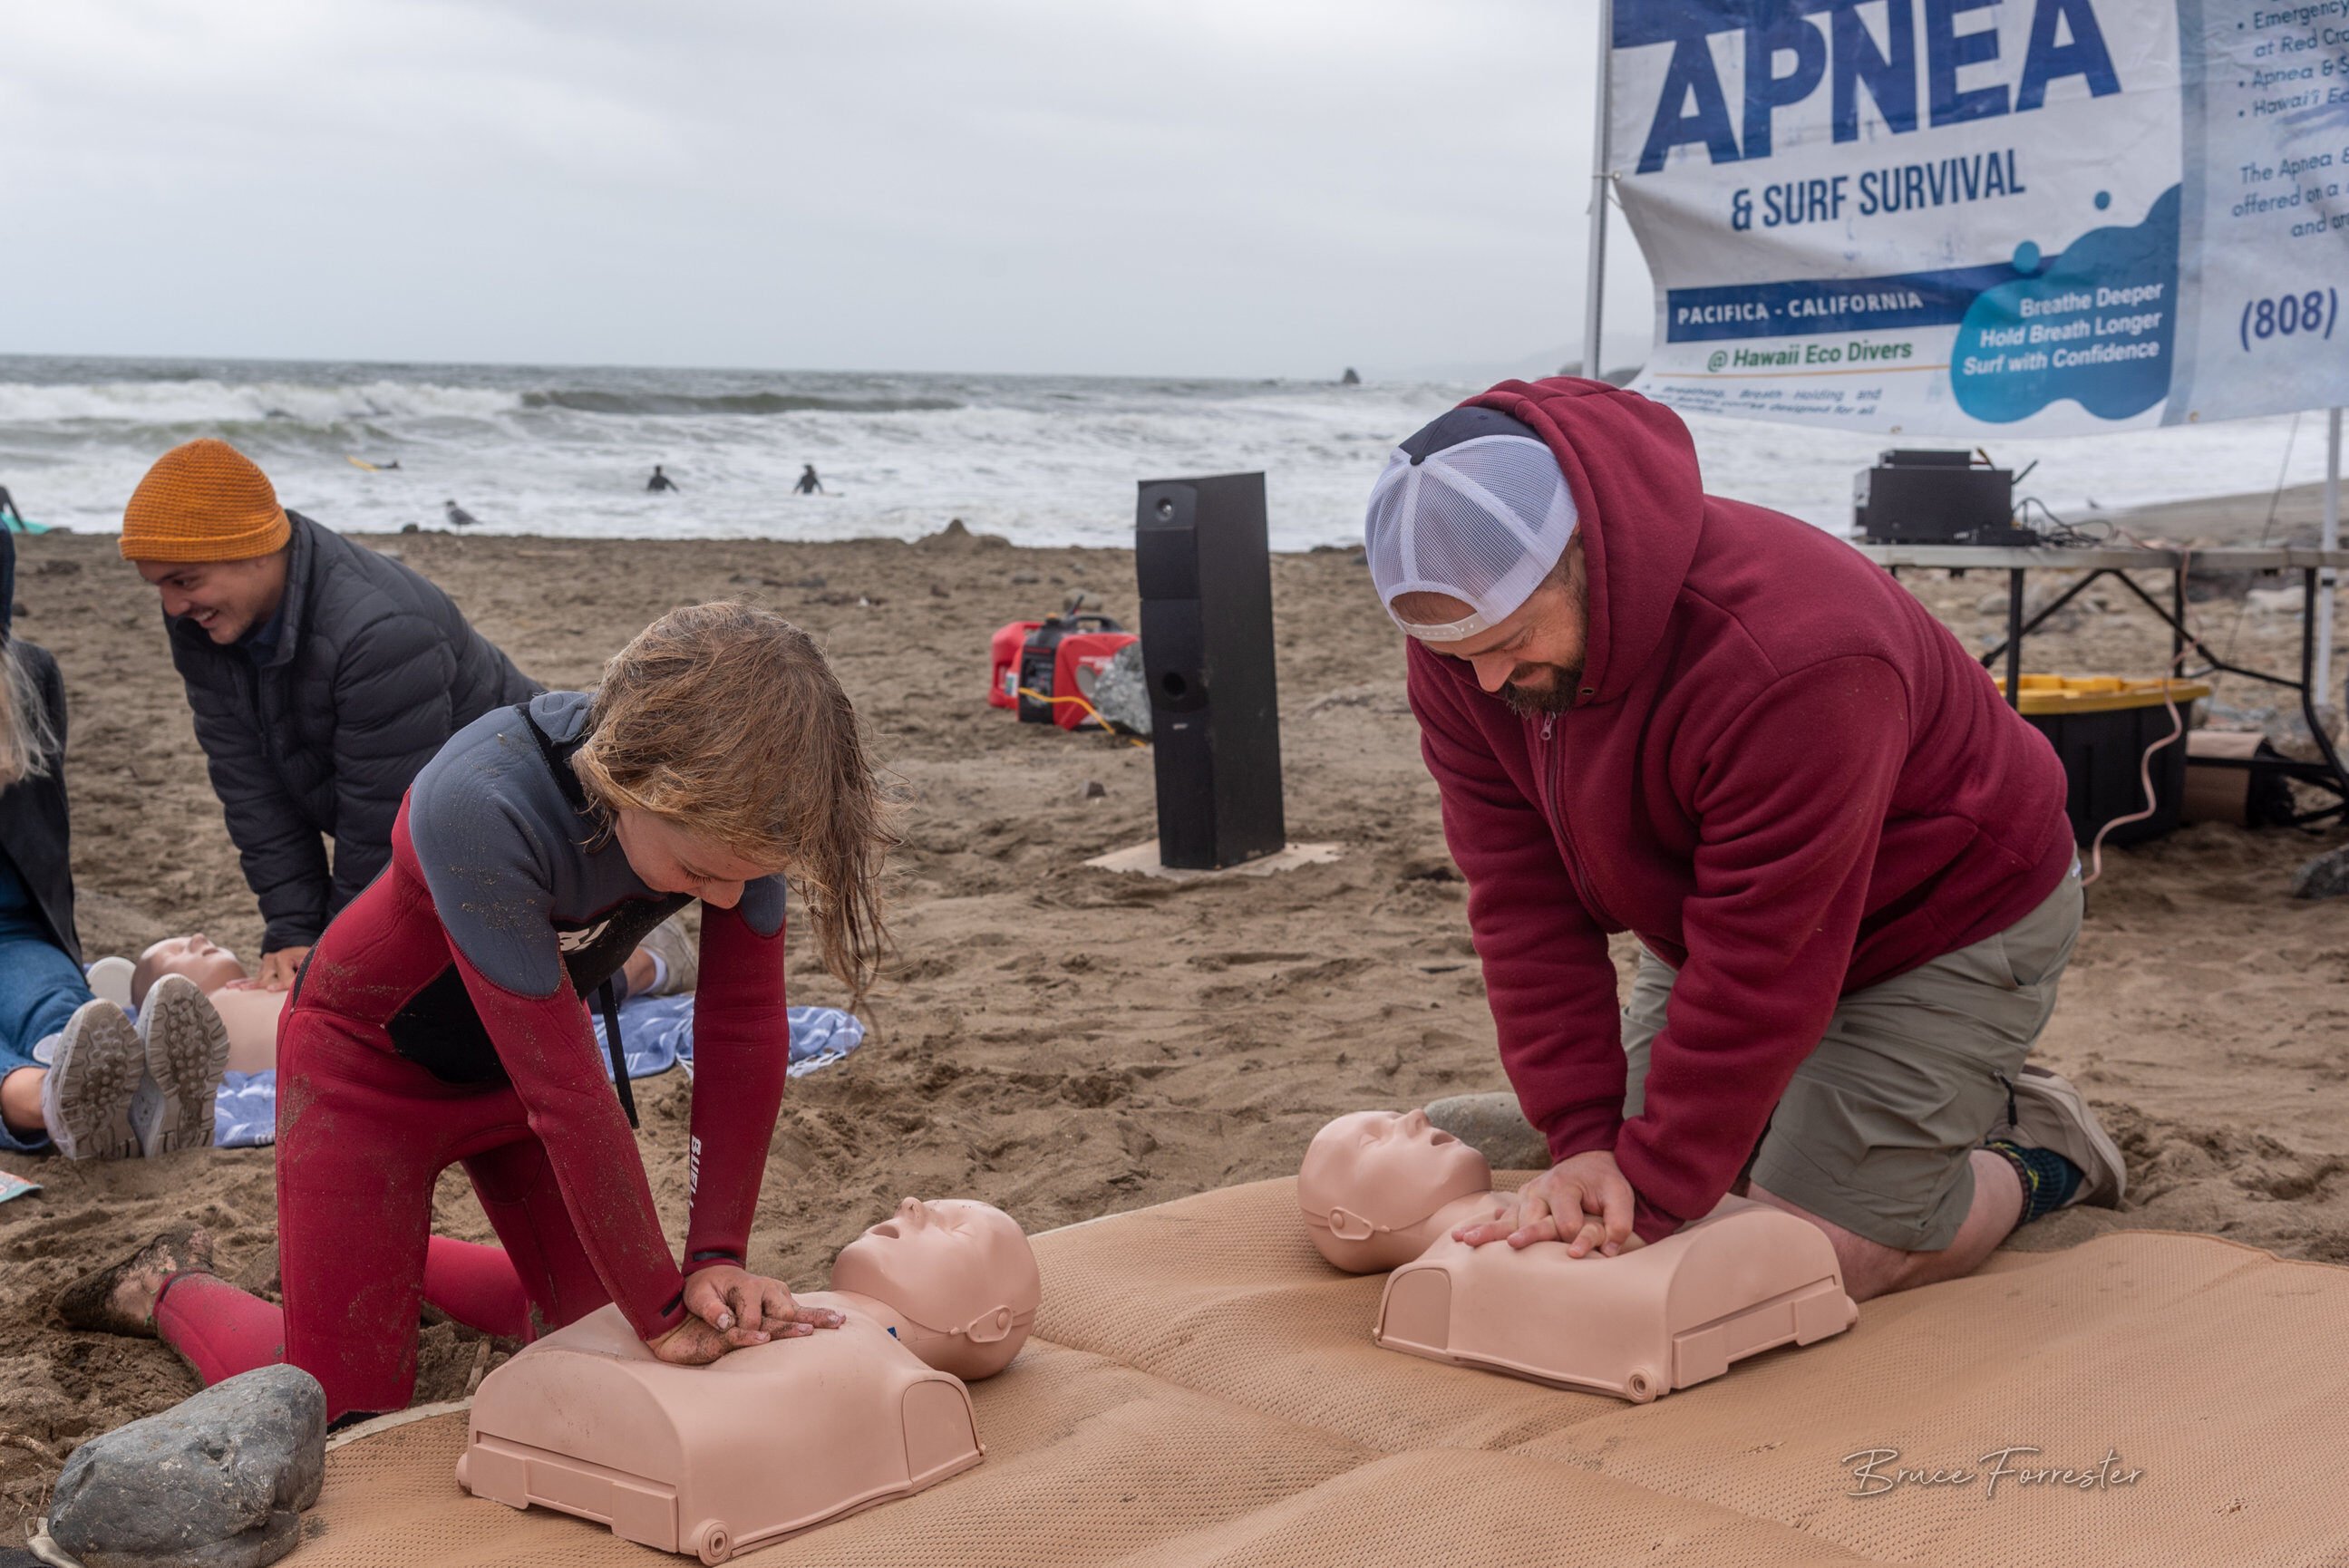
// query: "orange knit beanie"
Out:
[204,500]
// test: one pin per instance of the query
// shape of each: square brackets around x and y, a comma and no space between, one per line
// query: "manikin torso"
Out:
[249,1012]
[251,1015]
[1382,1191]
[781,1437]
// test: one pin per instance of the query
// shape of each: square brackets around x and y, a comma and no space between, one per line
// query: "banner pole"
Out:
[2328,539]
[1594,292]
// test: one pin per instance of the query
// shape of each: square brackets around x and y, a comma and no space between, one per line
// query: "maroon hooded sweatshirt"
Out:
[1781,773]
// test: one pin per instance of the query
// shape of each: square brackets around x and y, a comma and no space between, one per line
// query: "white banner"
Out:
[1967,217]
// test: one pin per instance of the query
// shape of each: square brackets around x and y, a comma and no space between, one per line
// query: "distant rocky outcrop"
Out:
[1619,375]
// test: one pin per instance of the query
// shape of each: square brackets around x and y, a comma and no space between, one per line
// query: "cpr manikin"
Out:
[1382,1191]
[778,1438]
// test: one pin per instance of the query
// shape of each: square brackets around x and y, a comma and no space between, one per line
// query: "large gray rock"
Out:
[2326,876]
[1121,692]
[1494,1128]
[218,1481]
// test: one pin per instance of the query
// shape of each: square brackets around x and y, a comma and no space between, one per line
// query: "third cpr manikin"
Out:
[778,1437]
[1382,1191]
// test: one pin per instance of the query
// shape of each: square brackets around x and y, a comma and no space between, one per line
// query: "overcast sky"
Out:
[1211,187]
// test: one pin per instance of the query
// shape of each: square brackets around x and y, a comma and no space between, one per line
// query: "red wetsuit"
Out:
[365,1127]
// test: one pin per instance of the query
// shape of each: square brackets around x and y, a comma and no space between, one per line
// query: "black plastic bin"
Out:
[2100,728]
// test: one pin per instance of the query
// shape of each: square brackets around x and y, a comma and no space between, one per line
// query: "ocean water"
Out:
[1040,459]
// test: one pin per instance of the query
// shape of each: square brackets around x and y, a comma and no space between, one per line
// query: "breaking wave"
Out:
[585,401]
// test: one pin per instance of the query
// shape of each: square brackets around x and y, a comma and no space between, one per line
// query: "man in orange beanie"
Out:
[323,677]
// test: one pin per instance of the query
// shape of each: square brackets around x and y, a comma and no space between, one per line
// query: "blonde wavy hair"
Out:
[26,741]
[725,721]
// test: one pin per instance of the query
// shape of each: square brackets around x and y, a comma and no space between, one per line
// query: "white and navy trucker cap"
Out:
[1474,506]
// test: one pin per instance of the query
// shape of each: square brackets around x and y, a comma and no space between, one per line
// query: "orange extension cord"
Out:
[2145,763]
[1035,696]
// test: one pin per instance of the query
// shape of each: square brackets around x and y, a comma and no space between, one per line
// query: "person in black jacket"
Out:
[75,1072]
[323,677]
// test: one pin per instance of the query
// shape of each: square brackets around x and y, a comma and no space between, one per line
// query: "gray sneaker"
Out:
[86,1098]
[186,1050]
[678,955]
[2049,1113]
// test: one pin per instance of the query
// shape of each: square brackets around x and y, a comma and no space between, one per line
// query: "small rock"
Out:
[2326,876]
[811,581]
[1022,579]
[409,528]
[1095,789]
[218,1481]
[56,569]
[1493,1126]
[939,591]
[1122,691]
[2286,729]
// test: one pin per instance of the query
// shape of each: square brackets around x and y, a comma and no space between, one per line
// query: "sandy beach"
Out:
[1066,1043]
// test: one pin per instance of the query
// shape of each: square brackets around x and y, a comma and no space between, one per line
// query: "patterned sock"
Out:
[2048,1179]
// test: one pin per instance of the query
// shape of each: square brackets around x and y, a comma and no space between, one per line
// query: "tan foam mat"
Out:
[1202,1390]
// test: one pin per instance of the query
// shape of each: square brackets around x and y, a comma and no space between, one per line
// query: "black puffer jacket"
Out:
[374,670]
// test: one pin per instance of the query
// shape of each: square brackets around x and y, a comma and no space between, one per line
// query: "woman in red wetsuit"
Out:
[440,1021]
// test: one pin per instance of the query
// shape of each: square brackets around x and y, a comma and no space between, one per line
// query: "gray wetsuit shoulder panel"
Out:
[516,874]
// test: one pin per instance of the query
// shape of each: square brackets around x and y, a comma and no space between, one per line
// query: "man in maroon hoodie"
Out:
[1654,711]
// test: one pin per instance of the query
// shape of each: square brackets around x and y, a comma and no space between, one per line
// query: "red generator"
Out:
[1082,651]
[1044,678]
[1003,676]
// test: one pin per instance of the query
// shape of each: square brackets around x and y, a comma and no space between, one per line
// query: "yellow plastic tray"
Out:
[2102,694]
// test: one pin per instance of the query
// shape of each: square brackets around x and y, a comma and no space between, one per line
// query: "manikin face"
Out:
[225,599]
[951,1266]
[198,958]
[669,859]
[1374,1171]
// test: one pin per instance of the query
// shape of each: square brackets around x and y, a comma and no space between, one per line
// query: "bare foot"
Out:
[120,1297]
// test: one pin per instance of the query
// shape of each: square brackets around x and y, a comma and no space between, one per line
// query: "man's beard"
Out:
[1557,697]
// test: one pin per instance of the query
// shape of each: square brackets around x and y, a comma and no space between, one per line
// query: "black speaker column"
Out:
[1205,574]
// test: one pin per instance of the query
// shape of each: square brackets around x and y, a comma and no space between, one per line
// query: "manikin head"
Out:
[1374,1182]
[205,529]
[958,1272]
[197,957]
[1473,547]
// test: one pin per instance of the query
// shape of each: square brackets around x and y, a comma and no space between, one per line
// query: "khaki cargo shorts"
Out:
[1874,1132]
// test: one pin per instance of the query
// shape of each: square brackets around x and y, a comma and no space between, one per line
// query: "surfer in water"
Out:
[659,481]
[809,484]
